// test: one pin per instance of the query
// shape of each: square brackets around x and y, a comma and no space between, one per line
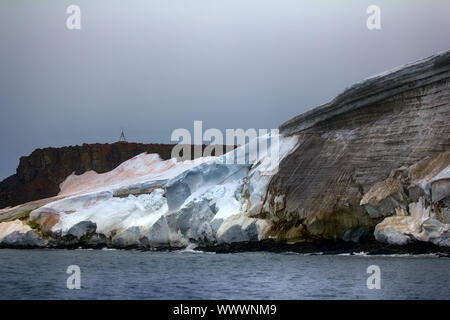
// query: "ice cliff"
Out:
[348,145]
[372,163]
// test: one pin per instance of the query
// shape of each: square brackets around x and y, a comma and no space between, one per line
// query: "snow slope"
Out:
[151,202]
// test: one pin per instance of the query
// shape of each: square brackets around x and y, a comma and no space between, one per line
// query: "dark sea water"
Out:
[122,274]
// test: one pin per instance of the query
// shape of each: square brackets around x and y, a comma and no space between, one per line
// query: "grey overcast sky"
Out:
[152,66]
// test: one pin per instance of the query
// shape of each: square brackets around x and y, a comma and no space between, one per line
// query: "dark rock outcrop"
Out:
[28,239]
[82,229]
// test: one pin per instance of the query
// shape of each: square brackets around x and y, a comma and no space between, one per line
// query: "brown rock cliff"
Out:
[39,174]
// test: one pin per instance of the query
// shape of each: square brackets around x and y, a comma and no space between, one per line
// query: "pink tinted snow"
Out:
[143,167]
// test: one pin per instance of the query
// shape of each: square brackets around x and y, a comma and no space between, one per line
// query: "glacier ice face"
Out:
[150,202]
[111,214]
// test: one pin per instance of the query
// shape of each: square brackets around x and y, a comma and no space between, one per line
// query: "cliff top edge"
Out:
[374,89]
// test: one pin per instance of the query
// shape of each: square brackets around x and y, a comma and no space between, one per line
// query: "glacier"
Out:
[149,202]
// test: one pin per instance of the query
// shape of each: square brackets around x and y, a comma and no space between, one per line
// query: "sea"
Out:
[190,274]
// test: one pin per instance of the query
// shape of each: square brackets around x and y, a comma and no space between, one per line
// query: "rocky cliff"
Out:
[39,174]
[346,146]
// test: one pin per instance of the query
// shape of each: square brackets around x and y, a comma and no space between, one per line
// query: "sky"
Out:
[152,66]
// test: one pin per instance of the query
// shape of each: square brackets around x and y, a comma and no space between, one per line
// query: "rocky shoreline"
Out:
[330,247]
[366,247]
